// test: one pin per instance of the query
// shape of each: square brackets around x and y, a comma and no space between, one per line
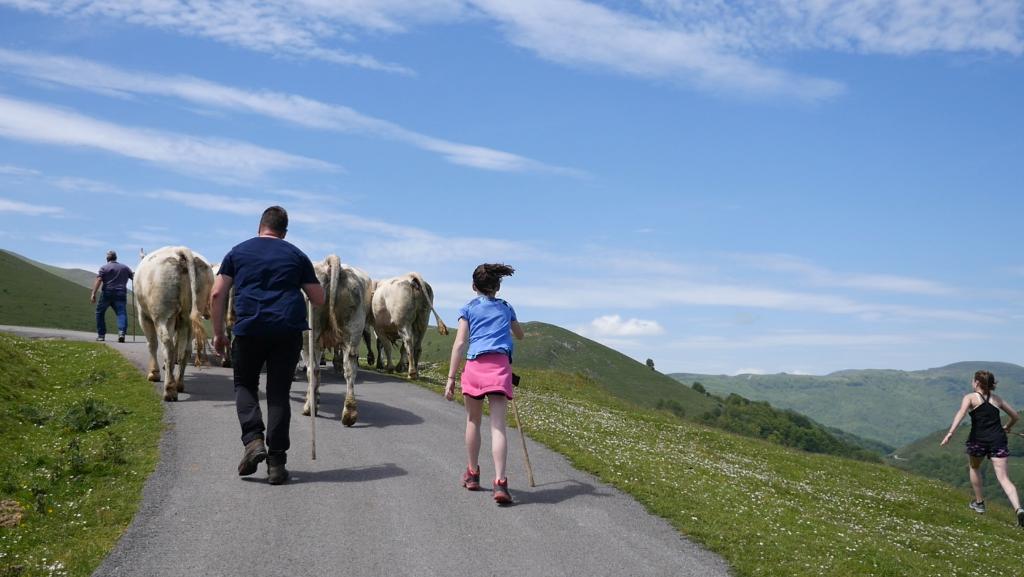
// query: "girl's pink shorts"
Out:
[488,373]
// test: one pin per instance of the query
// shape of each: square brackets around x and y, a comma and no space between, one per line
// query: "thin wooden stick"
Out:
[522,437]
[313,369]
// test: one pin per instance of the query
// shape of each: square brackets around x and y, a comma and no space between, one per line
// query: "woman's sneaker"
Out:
[977,506]
[471,480]
[501,494]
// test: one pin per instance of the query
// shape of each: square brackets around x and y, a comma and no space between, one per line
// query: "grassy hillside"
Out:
[893,407]
[76,275]
[80,437]
[949,463]
[768,510]
[31,296]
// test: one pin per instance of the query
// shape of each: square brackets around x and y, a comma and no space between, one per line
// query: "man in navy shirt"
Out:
[113,277]
[269,276]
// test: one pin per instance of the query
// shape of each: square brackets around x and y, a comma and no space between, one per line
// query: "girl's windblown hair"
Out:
[487,277]
[986,380]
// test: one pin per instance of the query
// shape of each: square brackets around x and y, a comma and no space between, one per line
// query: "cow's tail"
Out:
[418,280]
[331,334]
[196,317]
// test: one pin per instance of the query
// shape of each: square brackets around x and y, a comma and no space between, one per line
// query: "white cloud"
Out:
[83,185]
[616,326]
[823,277]
[291,108]
[738,372]
[14,206]
[10,170]
[810,339]
[280,27]
[863,26]
[707,43]
[219,159]
[586,34]
[81,241]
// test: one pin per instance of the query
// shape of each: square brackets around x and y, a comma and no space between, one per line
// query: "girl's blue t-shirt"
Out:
[268,275]
[490,326]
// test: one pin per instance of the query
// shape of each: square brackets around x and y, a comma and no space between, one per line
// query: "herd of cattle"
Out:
[172,289]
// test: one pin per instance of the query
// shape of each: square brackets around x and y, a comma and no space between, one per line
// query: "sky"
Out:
[726,187]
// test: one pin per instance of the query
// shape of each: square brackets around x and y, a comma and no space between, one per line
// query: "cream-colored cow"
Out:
[338,325]
[172,291]
[401,311]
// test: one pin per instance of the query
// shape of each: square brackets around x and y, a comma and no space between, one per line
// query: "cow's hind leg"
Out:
[368,338]
[350,414]
[183,339]
[170,352]
[149,329]
[408,344]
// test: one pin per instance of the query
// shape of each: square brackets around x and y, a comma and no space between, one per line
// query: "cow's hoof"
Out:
[350,415]
[170,396]
[349,418]
[413,376]
[369,360]
[226,363]
[153,377]
[305,411]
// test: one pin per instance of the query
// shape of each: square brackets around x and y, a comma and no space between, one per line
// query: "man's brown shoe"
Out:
[255,453]
[276,473]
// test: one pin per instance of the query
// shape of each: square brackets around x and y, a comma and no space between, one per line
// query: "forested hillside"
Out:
[892,407]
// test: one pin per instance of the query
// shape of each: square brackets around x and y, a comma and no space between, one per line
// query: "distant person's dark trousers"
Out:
[118,300]
[280,352]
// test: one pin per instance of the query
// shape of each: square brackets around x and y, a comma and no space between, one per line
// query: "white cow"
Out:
[338,325]
[172,291]
[229,319]
[401,311]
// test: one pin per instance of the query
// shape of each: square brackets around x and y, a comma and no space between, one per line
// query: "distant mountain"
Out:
[893,407]
[31,295]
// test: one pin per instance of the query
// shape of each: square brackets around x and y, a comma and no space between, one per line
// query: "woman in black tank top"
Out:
[987,438]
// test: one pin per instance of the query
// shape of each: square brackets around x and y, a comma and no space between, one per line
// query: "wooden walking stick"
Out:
[313,372]
[522,437]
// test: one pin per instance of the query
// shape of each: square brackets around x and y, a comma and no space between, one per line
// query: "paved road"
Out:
[382,498]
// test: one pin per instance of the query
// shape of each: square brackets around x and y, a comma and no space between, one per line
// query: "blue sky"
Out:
[724,187]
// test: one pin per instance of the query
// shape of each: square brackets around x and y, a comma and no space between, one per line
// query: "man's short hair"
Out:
[111,256]
[275,219]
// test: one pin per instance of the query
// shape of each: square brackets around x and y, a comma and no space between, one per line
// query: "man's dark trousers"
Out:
[280,352]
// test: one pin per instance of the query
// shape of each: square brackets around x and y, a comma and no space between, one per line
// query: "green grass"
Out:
[768,510]
[33,297]
[893,407]
[80,430]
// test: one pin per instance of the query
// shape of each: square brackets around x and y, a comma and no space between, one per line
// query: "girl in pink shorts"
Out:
[486,327]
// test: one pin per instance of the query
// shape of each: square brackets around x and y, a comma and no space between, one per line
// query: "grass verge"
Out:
[80,429]
[768,510]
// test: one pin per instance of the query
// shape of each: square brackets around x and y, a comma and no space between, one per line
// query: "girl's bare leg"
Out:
[474,410]
[1004,479]
[975,463]
[499,446]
